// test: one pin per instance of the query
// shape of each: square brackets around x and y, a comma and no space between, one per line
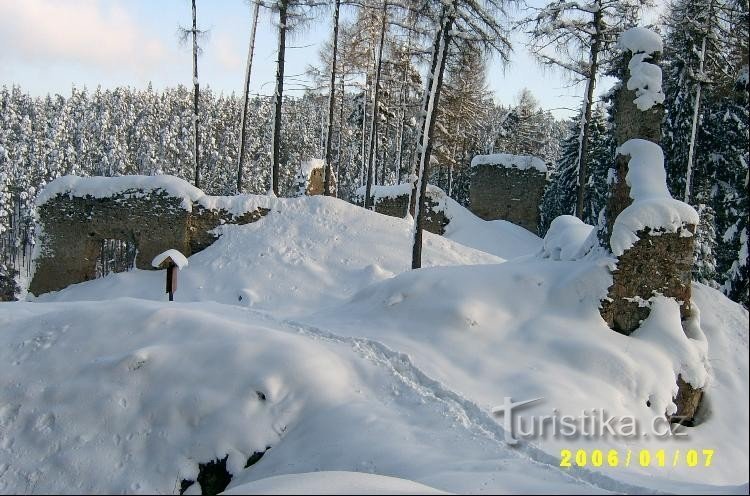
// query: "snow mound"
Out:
[531,328]
[568,238]
[640,39]
[508,160]
[332,483]
[653,207]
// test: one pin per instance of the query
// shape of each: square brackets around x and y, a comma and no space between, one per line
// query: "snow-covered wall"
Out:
[154,213]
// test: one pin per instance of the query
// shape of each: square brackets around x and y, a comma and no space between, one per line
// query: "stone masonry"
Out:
[73,228]
[660,261]
[397,205]
[508,193]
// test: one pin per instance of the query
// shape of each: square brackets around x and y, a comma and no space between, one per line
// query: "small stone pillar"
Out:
[649,232]
[311,178]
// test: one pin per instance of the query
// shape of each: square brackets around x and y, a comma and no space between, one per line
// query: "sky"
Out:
[47,46]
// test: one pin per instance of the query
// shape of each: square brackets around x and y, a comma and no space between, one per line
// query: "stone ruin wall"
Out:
[74,227]
[507,193]
[659,262]
[398,206]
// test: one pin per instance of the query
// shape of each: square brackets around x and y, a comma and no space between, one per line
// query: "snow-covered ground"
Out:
[305,332]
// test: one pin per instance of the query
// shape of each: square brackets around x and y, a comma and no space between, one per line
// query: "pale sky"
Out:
[47,46]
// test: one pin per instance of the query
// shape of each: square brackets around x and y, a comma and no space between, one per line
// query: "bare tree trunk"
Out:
[246,88]
[689,172]
[331,101]
[363,161]
[278,95]
[341,128]
[431,101]
[375,100]
[196,94]
[583,147]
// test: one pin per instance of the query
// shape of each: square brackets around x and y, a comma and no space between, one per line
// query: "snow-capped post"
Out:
[649,232]
[170,260]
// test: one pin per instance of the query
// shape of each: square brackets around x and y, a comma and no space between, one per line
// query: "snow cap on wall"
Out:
[645,77]
[653,207]
[508,160]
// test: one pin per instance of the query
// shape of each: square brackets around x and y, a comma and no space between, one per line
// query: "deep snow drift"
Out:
[305,332]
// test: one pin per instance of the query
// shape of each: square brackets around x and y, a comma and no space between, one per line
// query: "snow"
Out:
[333,483]
[653,207]
[497,237]
[376,378]
[507,160]
[308,252]
[567,239]
[645,78]
[178,258]
[639,39]
[134,186]
[308,166]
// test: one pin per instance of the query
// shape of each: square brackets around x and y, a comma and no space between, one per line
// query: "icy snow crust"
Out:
[507,160]
[106,187]
[653,207]
[366,367]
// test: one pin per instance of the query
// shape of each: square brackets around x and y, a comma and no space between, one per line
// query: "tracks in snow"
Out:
[468,413]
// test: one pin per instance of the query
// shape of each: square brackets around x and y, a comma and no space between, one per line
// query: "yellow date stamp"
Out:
[636,457]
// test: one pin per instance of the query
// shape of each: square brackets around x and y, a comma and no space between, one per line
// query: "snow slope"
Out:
[343,361]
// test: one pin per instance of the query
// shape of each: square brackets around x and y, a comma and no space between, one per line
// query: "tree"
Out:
[458,21]
[246,90]
[331,100]
[578,38]
[194,33]
[697,67]
[291,14]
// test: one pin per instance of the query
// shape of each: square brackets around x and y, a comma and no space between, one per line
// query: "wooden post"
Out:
[171,280]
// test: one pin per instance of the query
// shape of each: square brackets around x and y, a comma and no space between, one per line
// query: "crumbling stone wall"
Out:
[507,193]
[398,206]
[658,263]
[74,227]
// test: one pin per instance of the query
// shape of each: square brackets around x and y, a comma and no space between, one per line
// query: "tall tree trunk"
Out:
[583,147]
[278,95]
[697,104]
[375,101]
[196,94]
[341,135]
[432,100]
[331,101]
[363,161]
[246,88]
[385,151]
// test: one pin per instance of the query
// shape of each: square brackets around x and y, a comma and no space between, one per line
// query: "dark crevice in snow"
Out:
[214,477]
